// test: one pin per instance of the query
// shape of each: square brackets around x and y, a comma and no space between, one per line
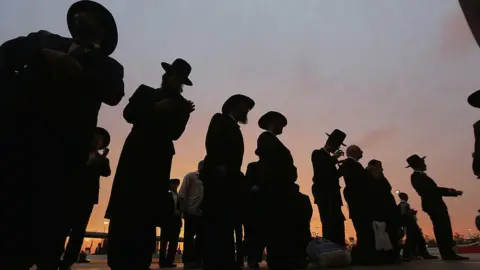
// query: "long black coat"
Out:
[140,186]
[225,147]
[88,189]
[384,207]
[356,188]
[61,113]
[476,153]
[277,170]
[431,194]
[326,180]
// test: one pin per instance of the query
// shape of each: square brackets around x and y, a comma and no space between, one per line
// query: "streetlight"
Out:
[105,223]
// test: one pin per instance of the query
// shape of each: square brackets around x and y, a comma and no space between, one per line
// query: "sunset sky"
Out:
[394,75]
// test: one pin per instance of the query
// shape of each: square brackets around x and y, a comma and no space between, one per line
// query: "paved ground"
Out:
[474,263]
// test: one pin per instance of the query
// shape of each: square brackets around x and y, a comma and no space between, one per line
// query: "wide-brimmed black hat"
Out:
[181,68]
[474,99]
[106,137]
[415,160]
[471,10]
[270,116]
[175,181]
[106,18]
[236,99]
[336,138]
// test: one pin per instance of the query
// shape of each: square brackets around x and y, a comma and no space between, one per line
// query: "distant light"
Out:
[105,222]
[397,192]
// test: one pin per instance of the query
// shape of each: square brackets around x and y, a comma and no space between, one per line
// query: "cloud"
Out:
[374,137]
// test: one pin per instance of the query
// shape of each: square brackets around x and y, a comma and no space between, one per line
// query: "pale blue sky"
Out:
[393,74]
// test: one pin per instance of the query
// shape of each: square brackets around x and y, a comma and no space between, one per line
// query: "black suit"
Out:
[278,174]
[225,148]
[476,153]
[357,196]
[62,113]
[326,192]
[433,204]
[140,187]
[87,197]
[170,232]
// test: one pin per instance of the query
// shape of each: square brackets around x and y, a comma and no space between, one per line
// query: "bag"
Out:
[324,253]
[382,239]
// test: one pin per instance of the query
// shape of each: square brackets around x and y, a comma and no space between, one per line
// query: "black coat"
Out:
[143,171]
[326,179]
[89,188]
[224,146]
[384,207]
[356,188]
[476,153]
[431,194]
[61,112]
[171,228]
[277,170]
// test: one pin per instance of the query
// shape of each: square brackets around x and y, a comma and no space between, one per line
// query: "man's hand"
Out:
[165,105]
[105,152]
[459,192]
[62,63]
[190,106]
[338,154]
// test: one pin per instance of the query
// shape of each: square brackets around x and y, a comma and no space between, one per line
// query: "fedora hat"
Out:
[474,99]
[181,68]
[175,181]
[236,99]
[336,138]
[265,120]
[471,10]
[106,18]
[414,160]
[106,137]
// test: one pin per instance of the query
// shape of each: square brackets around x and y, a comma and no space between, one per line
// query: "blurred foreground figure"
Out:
[52,91]
[326,187]
[139,197]
[279,173]
[191,197]
[86,196]
[222,176]
[433,204]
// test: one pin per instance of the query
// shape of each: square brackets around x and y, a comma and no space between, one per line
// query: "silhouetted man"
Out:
[221,176]
[87,196]
[53,88]
[171,229]
[279,174]
[415,243]
[384,209]
[359,205]
[191,197]
[433,204]
[140,187]
[301,229]
[326,187]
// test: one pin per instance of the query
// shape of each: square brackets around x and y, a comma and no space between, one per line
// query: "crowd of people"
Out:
[53,154]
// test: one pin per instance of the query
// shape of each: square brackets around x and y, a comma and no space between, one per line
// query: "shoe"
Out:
[429,257]
[455,258]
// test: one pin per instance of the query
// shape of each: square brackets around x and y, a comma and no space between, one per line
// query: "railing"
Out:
[103,235]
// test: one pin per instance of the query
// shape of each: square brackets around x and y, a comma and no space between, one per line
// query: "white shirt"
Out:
[352,158]
[191,191]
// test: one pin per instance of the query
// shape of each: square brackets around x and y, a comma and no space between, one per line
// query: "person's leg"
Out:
[239,244]
[189,240]
[172,250]
[77,233]
[443,232]
[162,255]
[199,238]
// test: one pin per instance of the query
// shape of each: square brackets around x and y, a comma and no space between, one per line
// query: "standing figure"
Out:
[278,172]
[191,197]
[300,230]
[170,229]
[87,196]
[221,177]
[385,208]
[326,187]
[53,87]
[255,230]
[433,204]
[357,196]
[139,197]
[474,101]
[415,243]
